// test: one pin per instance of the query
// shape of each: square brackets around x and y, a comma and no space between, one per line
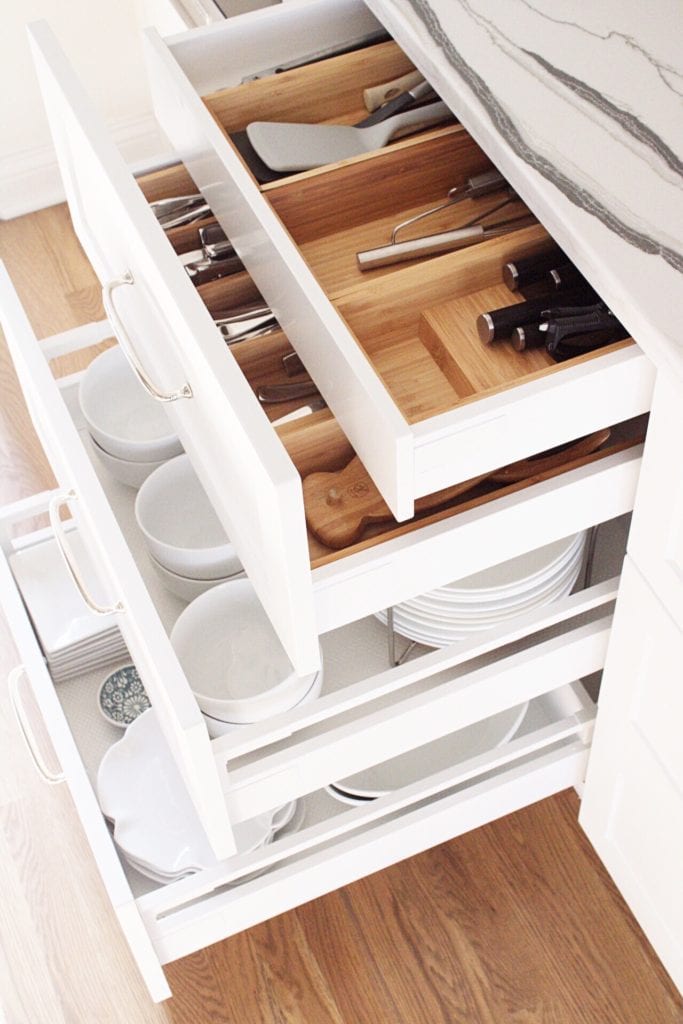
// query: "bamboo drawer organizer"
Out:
[316,443]
[415,322]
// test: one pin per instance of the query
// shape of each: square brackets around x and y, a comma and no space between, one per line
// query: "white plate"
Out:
[465,617]
[520,570]
[447,752]
[433,634]
[141,790]
[441,601]
[59,614]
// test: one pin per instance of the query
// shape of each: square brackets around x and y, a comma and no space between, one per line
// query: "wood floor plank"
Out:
[515,923]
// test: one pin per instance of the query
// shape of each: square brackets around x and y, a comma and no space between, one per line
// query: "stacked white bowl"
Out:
[486,599]
[130,431]
[186,542]
[156,827]
[235,664]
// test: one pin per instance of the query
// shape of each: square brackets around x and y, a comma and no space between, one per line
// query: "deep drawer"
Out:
[370,344]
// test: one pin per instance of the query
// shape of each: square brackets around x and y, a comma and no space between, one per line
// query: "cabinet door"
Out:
[241,462]
[633,804]
[656,538]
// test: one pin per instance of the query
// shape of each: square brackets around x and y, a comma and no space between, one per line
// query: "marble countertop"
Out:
[581,108]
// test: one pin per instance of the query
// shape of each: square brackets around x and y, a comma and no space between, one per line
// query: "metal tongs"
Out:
[447,241]
[178,210]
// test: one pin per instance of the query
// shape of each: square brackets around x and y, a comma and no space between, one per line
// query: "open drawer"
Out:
[383,347]
[331,844]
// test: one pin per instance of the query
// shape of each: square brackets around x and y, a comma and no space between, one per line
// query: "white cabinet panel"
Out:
[656,540]
[633,803]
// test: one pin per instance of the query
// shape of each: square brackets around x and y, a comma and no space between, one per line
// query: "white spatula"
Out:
[294,147]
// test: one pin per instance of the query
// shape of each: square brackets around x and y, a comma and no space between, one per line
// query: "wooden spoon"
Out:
[340,505]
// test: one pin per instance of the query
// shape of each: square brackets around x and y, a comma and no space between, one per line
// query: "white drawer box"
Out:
[299,238]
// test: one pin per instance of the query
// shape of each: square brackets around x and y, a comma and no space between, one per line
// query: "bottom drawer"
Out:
[333,844]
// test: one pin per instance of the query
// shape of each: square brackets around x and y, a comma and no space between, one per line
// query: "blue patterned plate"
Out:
[122,696]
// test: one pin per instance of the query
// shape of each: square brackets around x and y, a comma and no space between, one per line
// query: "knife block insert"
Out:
[449,332]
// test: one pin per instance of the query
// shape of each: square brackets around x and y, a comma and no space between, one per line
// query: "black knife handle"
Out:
[500,323]
[527,336]
[517,274]
[564,277]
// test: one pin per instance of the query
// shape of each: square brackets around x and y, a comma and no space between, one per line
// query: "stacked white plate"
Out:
[73,639]
[380,779]
[156,827]
[479,602]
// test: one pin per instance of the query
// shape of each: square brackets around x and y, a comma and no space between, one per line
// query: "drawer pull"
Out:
[127,346]
[55,522]
[25,728]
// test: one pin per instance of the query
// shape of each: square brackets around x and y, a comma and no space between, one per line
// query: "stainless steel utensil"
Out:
[270,393]
[178,210]
[248,322]
[432,245]
[292,364]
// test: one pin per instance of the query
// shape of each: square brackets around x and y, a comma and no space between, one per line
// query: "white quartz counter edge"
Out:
[616,195]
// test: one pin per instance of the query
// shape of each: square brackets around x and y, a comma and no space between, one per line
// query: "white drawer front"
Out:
[145,637]
[405,459]
[244,468]
[33,674]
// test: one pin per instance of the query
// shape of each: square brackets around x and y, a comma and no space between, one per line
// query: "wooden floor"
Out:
[516,923]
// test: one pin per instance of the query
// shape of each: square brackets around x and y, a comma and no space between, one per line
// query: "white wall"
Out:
[102,40]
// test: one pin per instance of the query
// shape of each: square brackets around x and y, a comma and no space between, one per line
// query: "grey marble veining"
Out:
[581,106]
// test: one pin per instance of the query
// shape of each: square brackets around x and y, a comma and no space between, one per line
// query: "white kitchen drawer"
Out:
[335,845]
[656,542]
[349,332]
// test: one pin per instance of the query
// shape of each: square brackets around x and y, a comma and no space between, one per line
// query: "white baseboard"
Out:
[30,179]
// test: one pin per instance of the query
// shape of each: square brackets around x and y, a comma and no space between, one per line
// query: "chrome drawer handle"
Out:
[46,774]
[127,345]
[56,503]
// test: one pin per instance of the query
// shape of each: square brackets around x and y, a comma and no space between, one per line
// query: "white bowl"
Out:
[216,727]
[180,527]
[184,587]
[140,789]
[237,668]
[124,420]
[132,474]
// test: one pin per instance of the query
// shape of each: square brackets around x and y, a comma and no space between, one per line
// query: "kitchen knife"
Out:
[517,274]
[500,323]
